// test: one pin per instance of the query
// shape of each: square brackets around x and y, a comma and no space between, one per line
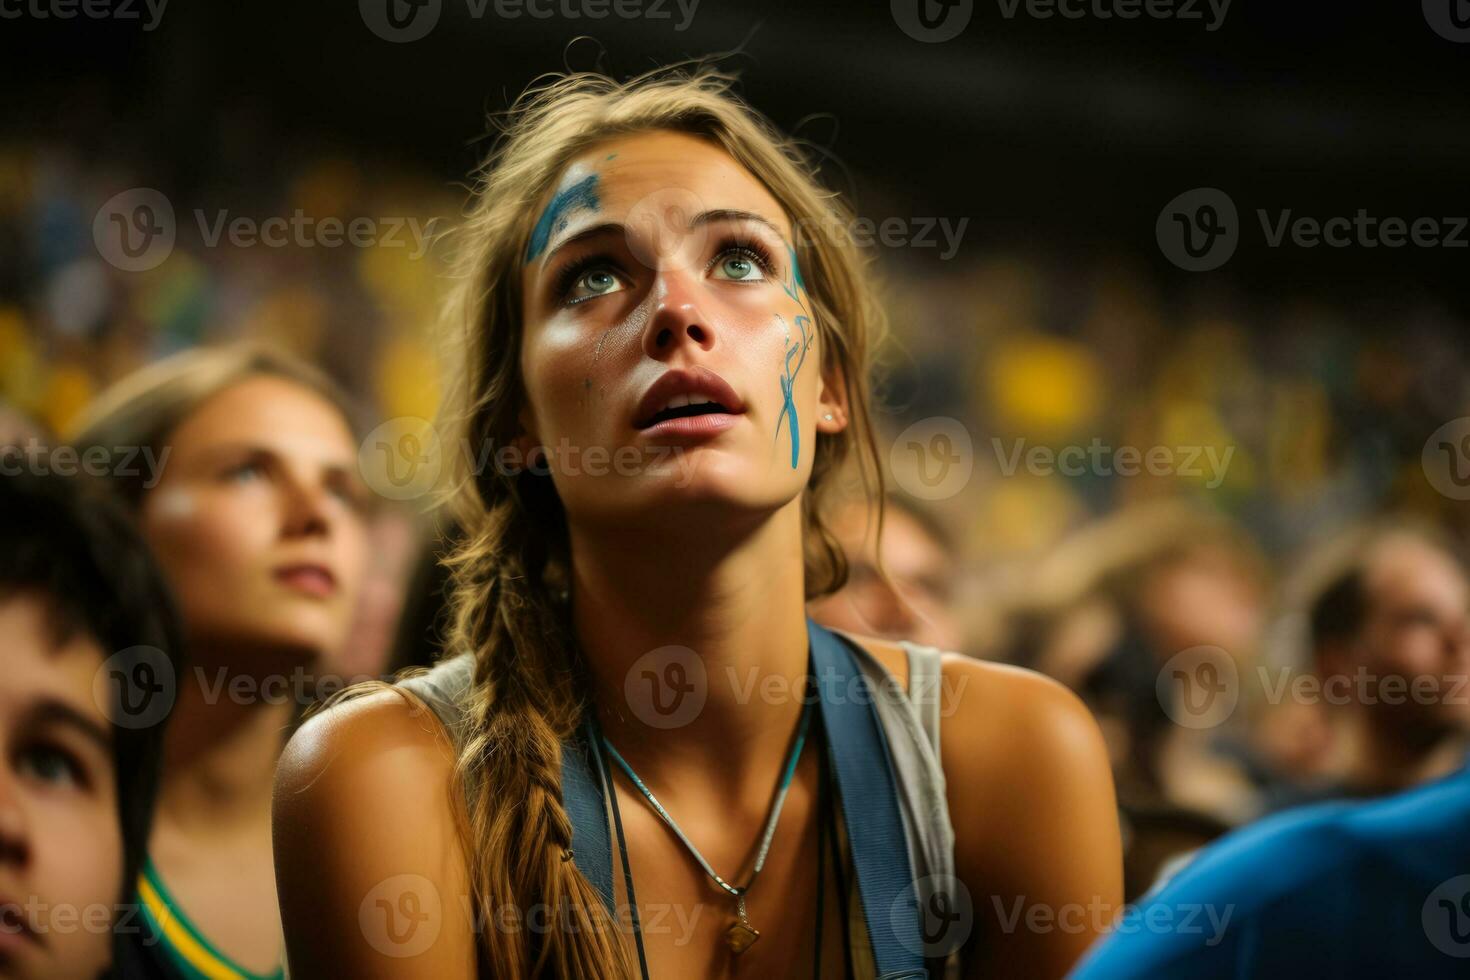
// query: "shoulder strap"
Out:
[582,784]
[925,688]
[867,787]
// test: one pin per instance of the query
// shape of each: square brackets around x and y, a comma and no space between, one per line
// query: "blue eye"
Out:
[742,261]
[247,470]
[51,764]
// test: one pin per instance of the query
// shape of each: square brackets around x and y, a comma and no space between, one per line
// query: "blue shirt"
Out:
[1343,889]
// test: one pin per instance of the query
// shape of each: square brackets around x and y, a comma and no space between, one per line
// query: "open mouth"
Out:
[689,408]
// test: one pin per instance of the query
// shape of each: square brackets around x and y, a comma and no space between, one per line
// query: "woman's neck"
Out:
[220,754]
[732,594]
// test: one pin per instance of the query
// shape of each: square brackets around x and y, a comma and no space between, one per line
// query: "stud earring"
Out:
[828,416]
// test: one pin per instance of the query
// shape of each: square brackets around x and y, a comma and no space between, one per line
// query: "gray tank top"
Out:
[910,720]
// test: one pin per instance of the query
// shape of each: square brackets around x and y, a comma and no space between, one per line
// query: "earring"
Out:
[828,416]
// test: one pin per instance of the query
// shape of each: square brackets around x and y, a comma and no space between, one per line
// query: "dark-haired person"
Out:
[1390,642]
[244,482]
[654,319]
[87,643]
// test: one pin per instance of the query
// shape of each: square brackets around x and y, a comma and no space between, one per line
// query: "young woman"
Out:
[241,471]
[625,772]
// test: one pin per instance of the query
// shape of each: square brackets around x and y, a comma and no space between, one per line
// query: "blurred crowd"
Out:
[1289,530]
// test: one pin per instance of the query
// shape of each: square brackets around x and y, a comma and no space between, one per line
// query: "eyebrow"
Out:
[699,220]
[216,453]
[54,712]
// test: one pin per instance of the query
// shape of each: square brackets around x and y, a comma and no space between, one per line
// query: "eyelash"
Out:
[76,771]
[568,276]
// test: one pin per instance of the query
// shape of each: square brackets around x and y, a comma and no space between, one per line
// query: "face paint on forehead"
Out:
[581,196]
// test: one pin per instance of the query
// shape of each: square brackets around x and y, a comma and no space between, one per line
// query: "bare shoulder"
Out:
[365,813]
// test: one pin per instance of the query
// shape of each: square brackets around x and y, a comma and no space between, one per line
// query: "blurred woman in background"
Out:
[240,467]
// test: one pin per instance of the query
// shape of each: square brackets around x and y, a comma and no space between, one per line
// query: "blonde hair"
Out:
[509,570]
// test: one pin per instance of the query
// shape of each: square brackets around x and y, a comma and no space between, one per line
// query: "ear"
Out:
[832,406]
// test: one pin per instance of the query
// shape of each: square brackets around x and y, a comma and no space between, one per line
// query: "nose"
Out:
[303,512]
[676,319]
[14,838]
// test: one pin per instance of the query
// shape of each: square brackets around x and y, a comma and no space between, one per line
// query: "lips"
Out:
[693,393]
[308,578]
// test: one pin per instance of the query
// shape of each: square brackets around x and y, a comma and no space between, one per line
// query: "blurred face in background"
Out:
[258,522]
[1418,602]
[61,853]
[922,571]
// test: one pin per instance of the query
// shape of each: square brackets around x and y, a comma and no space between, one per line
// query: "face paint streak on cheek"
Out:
[175,504]
[793,288]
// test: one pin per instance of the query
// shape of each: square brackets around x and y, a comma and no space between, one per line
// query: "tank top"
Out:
[910,720]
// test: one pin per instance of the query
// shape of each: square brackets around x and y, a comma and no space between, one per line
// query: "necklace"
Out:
[741,933]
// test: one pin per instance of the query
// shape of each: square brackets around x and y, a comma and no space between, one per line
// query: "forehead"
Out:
[619,176]
[37,666]
[1406,568]
[267,410]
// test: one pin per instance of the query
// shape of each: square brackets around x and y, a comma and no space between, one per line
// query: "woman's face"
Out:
[657,259]
[258,520]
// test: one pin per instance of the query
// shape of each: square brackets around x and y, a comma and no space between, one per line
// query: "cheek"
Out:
[206,538]
[78,859]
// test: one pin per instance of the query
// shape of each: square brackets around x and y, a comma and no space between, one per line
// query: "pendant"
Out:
[741,935]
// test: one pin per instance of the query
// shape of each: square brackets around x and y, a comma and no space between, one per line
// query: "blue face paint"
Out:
[580,196]
[788,374]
